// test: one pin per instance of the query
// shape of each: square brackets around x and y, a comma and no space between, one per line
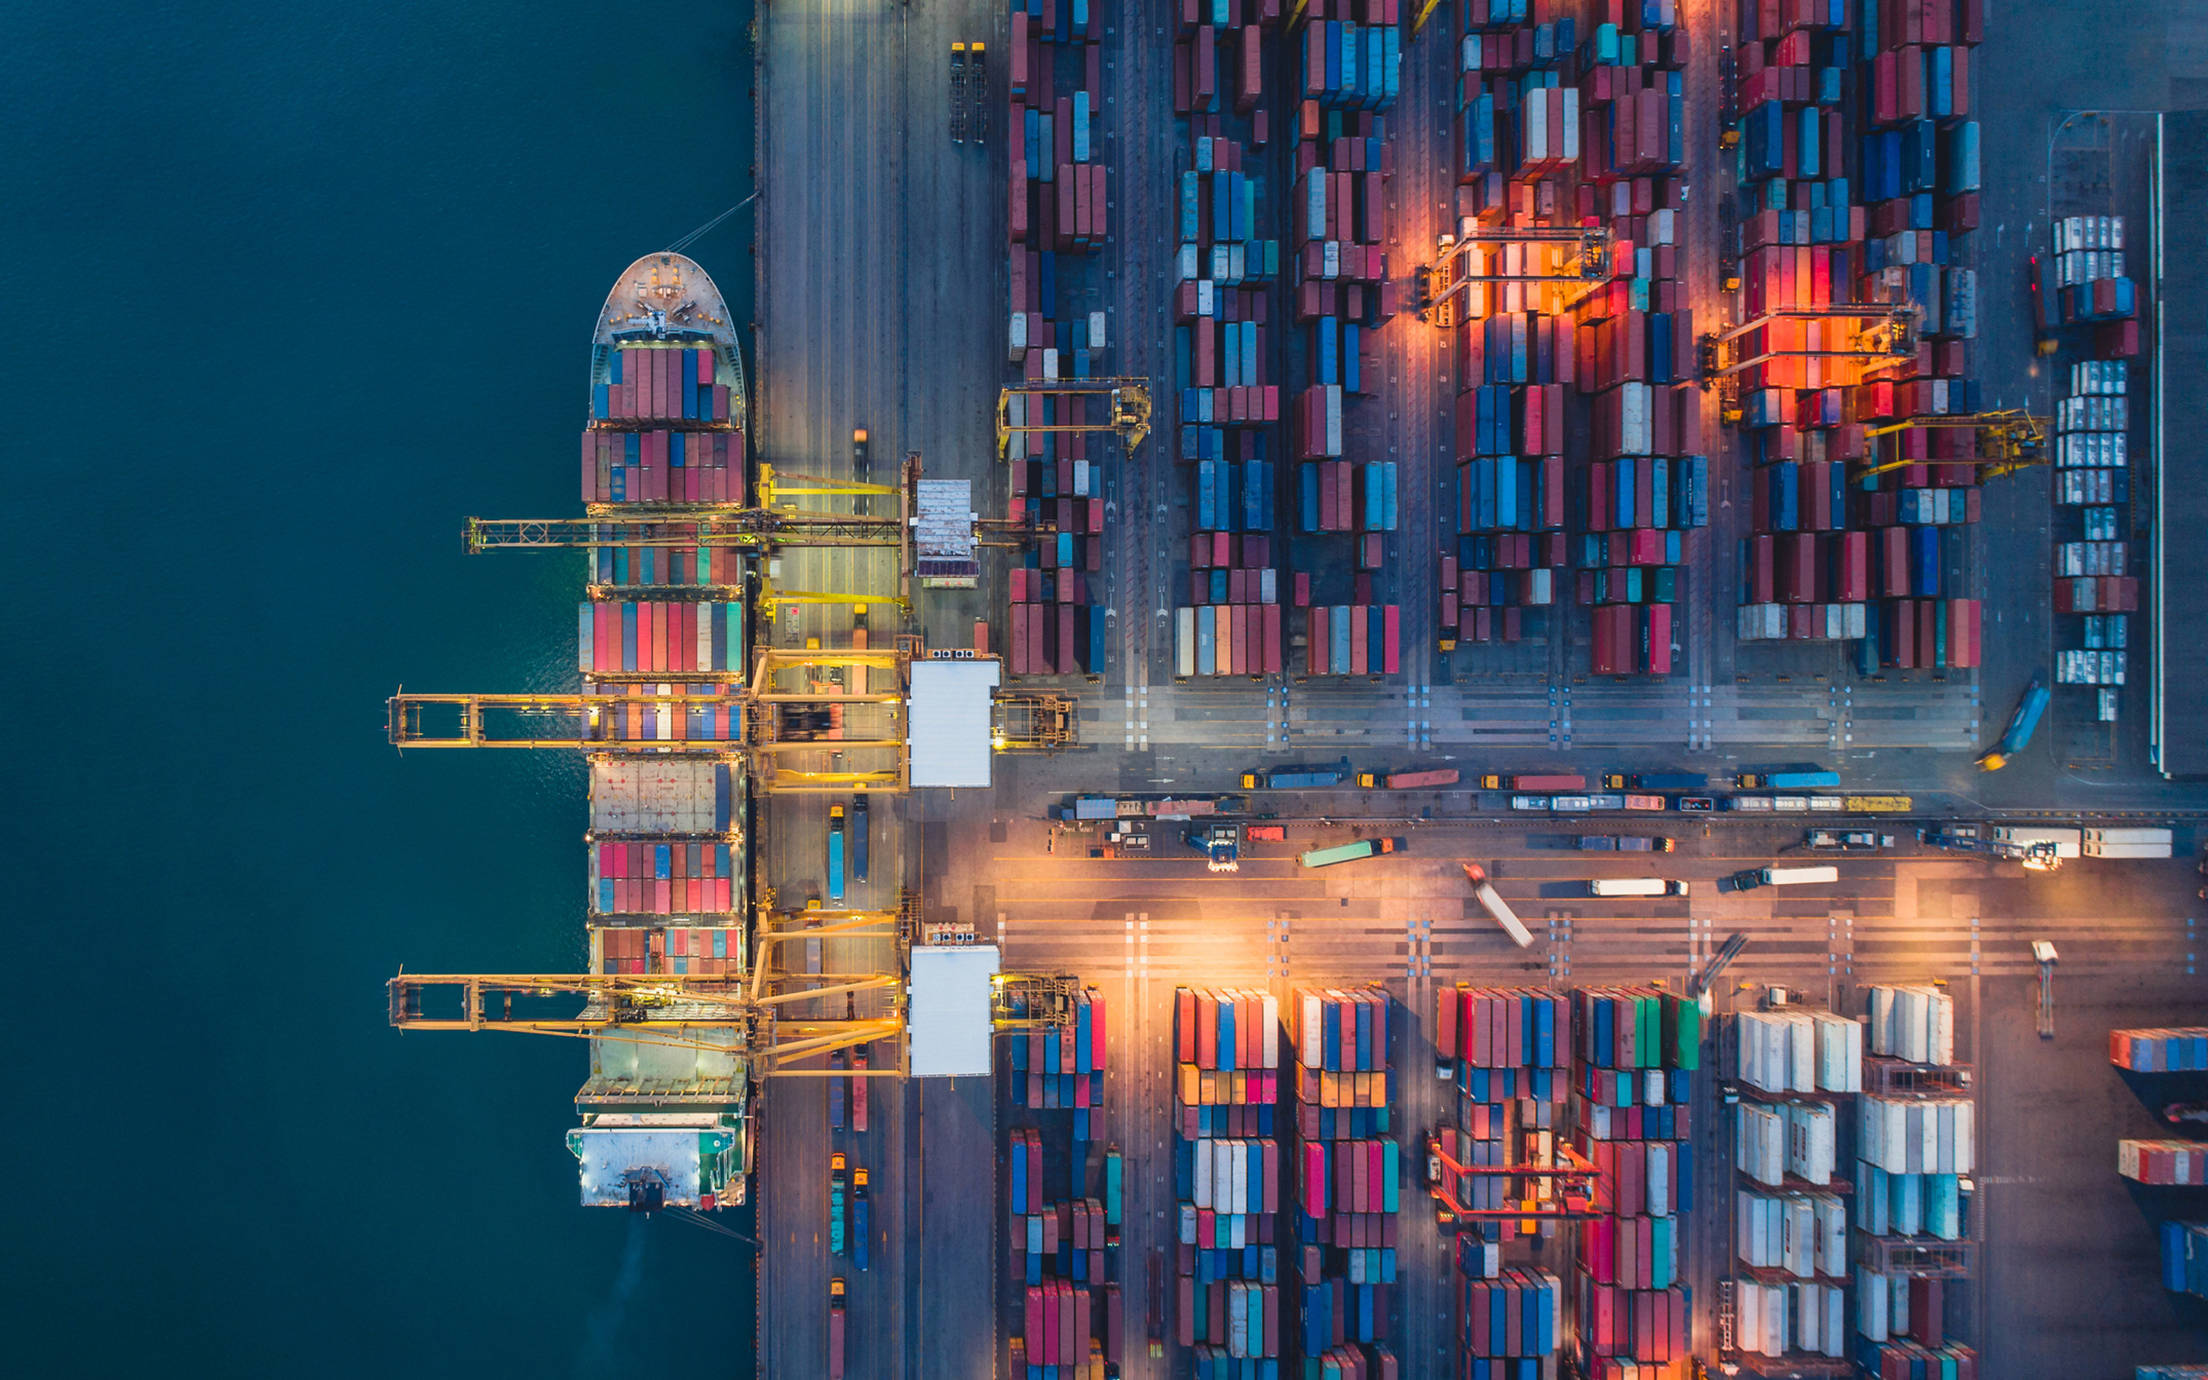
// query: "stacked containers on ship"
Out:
[1913,1151]
[1227,1179]
[1346,58]
[1064,1235]
[1798,1072]
[1511,1049]
[1639,1049]
[1345,1183]
[2094,586]
[661,430]
[666,859]
[1057,216]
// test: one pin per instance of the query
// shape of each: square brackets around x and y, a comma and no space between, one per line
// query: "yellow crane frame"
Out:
[2009,440]
[1130,414]
[1589,262]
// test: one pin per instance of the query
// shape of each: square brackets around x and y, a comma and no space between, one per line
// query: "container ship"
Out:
[662,632]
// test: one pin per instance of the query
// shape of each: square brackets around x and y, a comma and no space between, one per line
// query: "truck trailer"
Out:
[1656,781]
[1534,783]
[1787,781]
[1410,780]
[1625,843]
[1297,778]
[1497,909]
[2127,843]
[835,852]
[1348,852]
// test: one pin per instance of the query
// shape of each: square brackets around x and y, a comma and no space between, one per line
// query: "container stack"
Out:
[1227,1177]
[661,466]
[1510,1048]
[1061,1067]
[1511,1325]
[659,638]
[1226,315]
[2185,1258]
[1918,159]
[665,845]
[687,878]
[1346,1179]
[2094,586]
[671,567]
[1884,568]
[1791,1221]
[1059,1255]
[1639,1048]
[2170,1373]
[2163,1050]
[2086,285]
[2163,1161]
[694,453]
[1057,215]
[1347,63]
[1064,1212]
[1055,627]
[1645,485]
[1914,1146]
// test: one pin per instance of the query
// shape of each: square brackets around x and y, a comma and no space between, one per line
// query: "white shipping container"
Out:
[1812,1142]
[1832,1235]
[1272,1031]
[1873,1299]
[1205,1161]
[1659,1178]
[1184,642]
[1759,1144]
[1096,330]
[1756,1229]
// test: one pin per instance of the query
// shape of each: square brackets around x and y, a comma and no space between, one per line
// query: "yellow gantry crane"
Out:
[1881,332]
[761,1013]
[2008,441]
[1129,416]
[1559,255]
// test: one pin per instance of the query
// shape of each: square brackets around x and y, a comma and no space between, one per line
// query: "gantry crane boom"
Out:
[748,528]
[660,1008]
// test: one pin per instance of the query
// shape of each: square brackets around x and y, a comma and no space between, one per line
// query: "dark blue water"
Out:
[291,289]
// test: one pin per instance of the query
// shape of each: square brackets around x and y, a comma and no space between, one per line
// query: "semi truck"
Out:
[1853,840]
[1625,843]
[1656,781]
[859,1231]
[2067,843]
[1348,852]
[835,1090]
[858,1089]
[1114,1177]
[1409,780]
[2023,722]
[836,1204]
[2127,843]
[1787,781]
[835,852]
[1754,877]
[1534,783]
[1297,778]
[1497,909]
[858,839]
[1219,843]
[1636,886]
[835,1328]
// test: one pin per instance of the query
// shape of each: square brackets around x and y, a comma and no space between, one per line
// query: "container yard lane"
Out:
[882,291]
